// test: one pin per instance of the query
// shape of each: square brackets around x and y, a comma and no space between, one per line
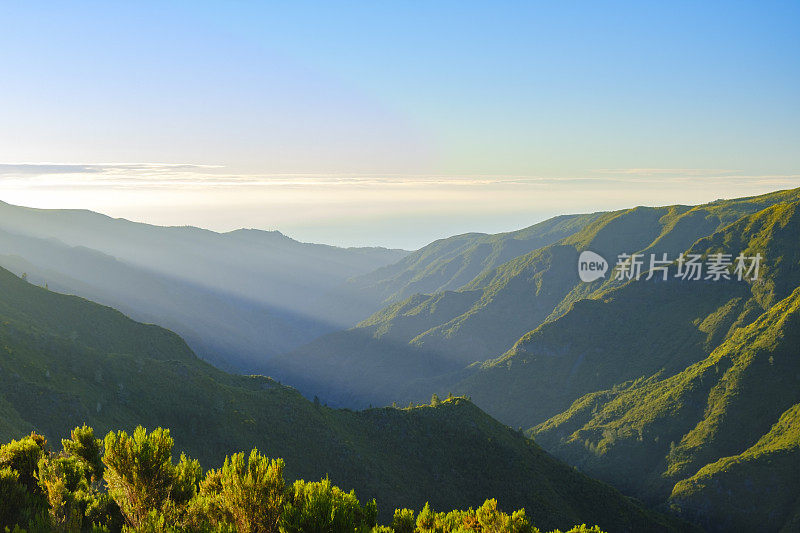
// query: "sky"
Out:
[393,123]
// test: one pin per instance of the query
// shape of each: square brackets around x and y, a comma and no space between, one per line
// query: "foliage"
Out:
[22,456]
[247,494]
[487,518]
[320,507]
[141,477]
[708,436]
[16,503]
[85,447]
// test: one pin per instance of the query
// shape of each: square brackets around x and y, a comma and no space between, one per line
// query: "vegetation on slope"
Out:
[450,264]
[67,362]
[131,483]
[737,492]
[717,435]
[426,342]
[641,328]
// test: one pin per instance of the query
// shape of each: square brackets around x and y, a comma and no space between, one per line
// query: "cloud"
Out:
[187,176]
[158,175]
[41,169]
[667,171]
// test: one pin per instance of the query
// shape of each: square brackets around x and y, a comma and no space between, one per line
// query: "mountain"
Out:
[238,298]
[640,328]
[737,492]
[716,440]
[431,342]
[451,263]
[228,331]
[66,361]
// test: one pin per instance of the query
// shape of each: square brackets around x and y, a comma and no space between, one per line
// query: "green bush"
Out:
[319,507]
[403,521]
[84,446]
[141,477]
[248,493]
[23,456]
[145,492]
[15,501]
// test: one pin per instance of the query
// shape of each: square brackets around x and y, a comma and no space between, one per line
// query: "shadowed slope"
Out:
[66,361]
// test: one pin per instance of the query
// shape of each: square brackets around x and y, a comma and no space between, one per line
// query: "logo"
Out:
[591,266]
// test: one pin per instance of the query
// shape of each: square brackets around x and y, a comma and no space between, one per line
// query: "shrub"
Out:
[319,507]
[247,492]
[403,521]
[15,503]
[63,481]
[23,456]
[88,449]
[141,477]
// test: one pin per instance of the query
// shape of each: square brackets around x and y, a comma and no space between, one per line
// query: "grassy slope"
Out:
[451,263]
[66,361]
[425,342]
[715,416]
[627,332]
[737,492]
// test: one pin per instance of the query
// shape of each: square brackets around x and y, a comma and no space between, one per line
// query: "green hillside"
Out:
[709,438]
[626,332]
[451,263]
[737,492]
[427,342]
[66,361]
[718,432]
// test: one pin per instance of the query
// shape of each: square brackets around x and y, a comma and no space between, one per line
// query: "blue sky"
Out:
[534,108]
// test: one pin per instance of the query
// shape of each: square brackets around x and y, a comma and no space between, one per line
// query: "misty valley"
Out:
[480,373]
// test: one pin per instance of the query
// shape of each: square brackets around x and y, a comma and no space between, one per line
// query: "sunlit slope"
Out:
[642,328]
[66,361]
[755,490]
[451,263]
[426,342]
[718,439]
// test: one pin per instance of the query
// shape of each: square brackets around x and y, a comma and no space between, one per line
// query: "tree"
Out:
[403,521]
[21,498]
[248,492]
[426,520]
[23,457]
[16,505]
[320,507]
[84,446]
[63,479]
[141,477]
